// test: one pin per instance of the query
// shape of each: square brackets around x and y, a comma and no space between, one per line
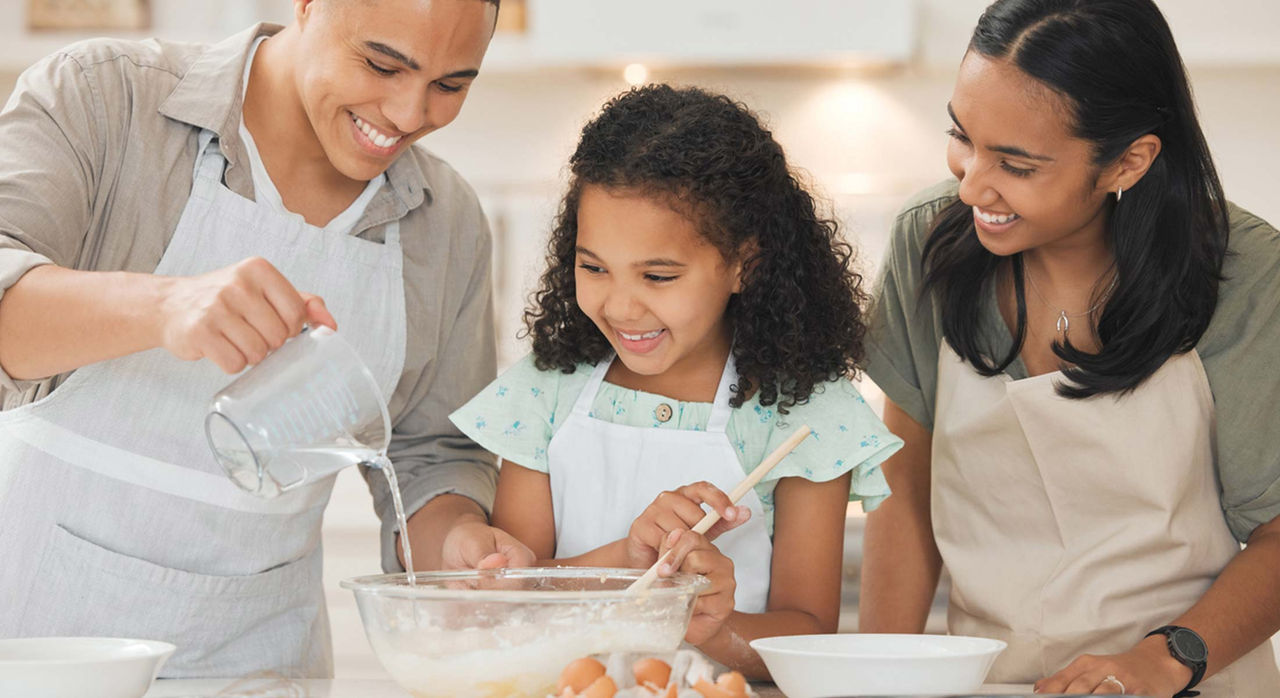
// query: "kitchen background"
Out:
[855,90]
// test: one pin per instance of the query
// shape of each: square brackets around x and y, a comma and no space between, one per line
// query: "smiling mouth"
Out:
[640,337]
[995,218]
[375,136]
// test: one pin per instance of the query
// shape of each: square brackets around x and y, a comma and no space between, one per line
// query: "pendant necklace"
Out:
[1063,323]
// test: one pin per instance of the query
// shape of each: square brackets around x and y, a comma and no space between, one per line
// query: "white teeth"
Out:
[994,219]
[379,138]
[638,337]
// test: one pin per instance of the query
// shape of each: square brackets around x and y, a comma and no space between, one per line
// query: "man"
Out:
[170,214]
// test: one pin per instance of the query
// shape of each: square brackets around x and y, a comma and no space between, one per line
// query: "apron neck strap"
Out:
[588,395]
[209,160]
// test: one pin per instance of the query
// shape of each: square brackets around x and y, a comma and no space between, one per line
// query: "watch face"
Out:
[1189,645]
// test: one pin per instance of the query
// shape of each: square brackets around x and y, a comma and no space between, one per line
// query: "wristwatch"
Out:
[1186,647]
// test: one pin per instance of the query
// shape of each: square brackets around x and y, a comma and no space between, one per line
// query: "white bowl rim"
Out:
[769,645]
[377,585]
[157,649]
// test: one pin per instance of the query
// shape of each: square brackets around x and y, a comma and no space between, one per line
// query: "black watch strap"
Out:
[1175,637]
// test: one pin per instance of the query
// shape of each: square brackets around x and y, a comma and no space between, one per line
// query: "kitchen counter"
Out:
[351,688]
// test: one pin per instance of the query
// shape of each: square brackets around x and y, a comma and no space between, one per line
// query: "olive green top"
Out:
[1238,350]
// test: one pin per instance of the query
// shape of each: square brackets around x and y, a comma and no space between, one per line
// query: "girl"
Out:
[1074,340]
[687,249]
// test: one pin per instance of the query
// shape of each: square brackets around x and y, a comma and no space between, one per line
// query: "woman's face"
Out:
[1032,183]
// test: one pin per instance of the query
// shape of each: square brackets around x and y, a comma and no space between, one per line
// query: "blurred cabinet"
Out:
[721,32]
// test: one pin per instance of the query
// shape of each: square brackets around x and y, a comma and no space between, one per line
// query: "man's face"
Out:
[375,75]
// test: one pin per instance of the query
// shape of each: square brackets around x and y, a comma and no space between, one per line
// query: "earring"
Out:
[1119,193]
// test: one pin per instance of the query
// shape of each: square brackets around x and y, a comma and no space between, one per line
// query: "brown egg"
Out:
[580,674]
[733,683]
[710,690]
[652,673]
[603,687]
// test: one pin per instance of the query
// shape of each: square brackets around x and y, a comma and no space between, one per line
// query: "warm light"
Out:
[635,74]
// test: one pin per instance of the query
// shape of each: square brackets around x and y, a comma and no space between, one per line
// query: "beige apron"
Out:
[1077,526]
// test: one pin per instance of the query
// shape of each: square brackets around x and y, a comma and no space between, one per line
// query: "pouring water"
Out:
[305,412]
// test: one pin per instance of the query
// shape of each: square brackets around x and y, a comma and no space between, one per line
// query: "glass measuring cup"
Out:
[305,412]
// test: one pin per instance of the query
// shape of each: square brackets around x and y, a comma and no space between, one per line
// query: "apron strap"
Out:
[391,236]
[720,409]
[582,406]
[209,166]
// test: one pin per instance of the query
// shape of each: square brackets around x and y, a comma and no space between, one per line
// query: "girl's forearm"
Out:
[608,555]
[730,646]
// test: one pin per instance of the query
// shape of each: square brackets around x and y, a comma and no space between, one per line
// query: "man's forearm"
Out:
[429,526]
[56,319]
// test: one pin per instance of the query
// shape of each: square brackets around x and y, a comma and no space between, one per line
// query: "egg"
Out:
[580,674]
[730,685]
[733,683]
[603,687]
[710,690]
[651,672]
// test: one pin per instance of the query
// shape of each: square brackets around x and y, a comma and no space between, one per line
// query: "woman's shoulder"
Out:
[1249,295]
[916,216]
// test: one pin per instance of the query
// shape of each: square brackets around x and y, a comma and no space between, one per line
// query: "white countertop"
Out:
[353,688]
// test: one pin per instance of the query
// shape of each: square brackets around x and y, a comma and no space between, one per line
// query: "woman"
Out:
[1073,340]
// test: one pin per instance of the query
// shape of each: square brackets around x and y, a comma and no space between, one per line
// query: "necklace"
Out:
[1063,324]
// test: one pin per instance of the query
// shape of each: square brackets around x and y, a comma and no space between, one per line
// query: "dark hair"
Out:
[797,321]
[1116,65]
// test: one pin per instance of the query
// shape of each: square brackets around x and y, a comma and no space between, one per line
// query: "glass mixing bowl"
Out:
[509,632]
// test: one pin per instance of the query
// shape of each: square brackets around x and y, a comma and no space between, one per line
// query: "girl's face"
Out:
[1031,183]
[652,284]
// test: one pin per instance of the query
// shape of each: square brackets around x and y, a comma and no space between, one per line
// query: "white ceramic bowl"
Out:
[866,664]
[76,667]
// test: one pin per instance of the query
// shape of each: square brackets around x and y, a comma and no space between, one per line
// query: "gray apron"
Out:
[115,519]
[603,475]
[1078,526]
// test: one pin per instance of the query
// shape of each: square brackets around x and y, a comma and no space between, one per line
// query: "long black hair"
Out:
[1116,65]
[798,320]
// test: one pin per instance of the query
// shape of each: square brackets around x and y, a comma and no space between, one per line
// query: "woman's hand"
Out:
[235,316]
[680,509]
[1148,669]
[692,553]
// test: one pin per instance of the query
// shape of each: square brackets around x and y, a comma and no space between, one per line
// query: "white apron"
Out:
[116,520]
[1078,526]
[604,475]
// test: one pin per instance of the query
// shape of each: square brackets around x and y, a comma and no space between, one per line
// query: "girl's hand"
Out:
[694,554]
[1148,669]
[680,510]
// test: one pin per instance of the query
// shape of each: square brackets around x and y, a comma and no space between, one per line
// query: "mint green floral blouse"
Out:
[516,416]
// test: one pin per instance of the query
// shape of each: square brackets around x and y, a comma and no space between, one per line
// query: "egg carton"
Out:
[689,669]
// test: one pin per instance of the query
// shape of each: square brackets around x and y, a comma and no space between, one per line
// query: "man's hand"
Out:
[235,316]
[473,544]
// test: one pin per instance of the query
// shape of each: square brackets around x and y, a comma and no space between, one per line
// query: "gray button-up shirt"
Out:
[97,150]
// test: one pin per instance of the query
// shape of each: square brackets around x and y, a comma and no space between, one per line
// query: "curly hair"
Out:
[797,321]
